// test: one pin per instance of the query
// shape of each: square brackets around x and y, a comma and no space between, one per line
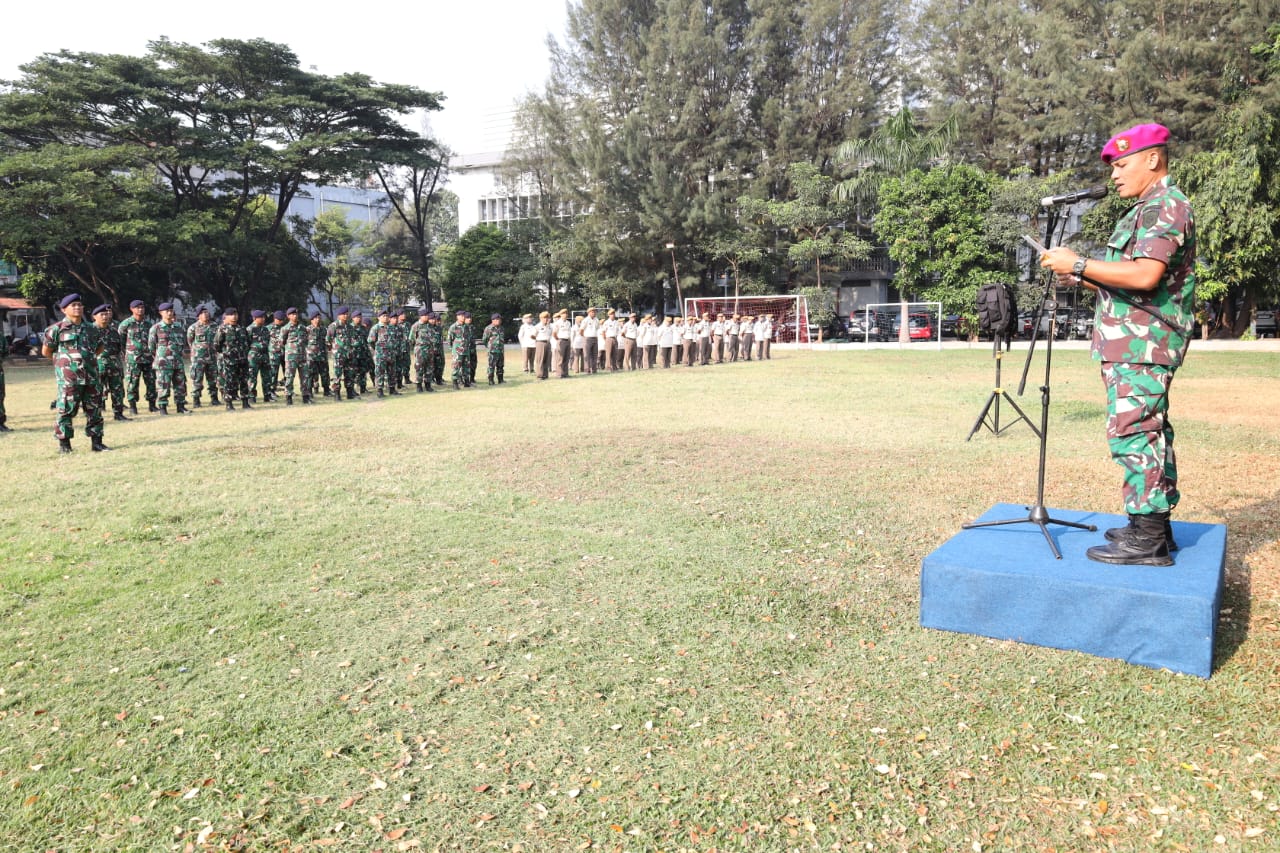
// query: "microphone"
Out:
[1072,198]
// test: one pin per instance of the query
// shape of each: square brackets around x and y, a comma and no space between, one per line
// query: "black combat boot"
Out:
[419,387]
[120,416]
[183,410]
[213,399]
[380,393]
[164,410]
[428,387]
[244,404]
[151,406]
[4,428]
[230,406]
[1144,545]
[97,446]
[288,399]
[133,408]
[307,401]
[1114,534]
[64,445]
[195,404]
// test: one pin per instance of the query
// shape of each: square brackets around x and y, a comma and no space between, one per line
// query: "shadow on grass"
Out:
[1248,528]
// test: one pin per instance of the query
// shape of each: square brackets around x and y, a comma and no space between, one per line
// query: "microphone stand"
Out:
[1036,513]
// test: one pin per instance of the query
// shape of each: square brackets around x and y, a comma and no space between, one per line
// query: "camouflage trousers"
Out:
[233,379]
[111,377]
[424,366]
[170,379]
[136,368]
[459,368]
[1140,436]
[384,366]
[2,415]
[402,367]
[439,366]
[275,368]
[498,360]
[72,396]
[259,370]
[318,374]
[203,369]
[296,365]
[344,371]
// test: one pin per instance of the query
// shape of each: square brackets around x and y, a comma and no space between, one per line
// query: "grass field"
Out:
[665,611]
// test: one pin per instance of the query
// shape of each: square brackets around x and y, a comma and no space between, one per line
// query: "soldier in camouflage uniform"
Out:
[3,428]
[259,356]
[436,323]
[422,339]
[293,343]
[473,346]
[275,352]
[458,339]
[203,362]
[110,347]
[137,357]
[231,344]
[402,354]
[495,343]
[168,341]
[1143,325]
[318,355]
[363,355]
[380,338]
[342,344]
[71,344]
[397,340]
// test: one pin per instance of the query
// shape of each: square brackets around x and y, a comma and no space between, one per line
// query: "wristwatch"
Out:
[1077,269]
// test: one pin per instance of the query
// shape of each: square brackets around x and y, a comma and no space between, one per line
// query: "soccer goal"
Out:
[790,314]
[902,322]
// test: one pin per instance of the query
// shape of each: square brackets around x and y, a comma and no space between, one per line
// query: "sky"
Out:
[482,54]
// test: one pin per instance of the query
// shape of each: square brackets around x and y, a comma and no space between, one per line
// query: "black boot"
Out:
[4,428]
[288,399]
[133,408]
[244,404]
[307,401]
[120,416]
[97,446]
[1115,534]
[419,387]
[195,404]
[164,410]
[64,445]
[1144,545]
[230,406]
[213,399]
[151,406]
[183,410]
[380,393]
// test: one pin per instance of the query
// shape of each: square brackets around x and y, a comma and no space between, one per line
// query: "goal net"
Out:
[790,314]
[900,323]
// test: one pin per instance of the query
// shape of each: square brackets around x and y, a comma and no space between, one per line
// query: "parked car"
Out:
[1264,323]
[951,326]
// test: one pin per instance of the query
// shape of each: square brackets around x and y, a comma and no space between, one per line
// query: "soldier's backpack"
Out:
[998,309]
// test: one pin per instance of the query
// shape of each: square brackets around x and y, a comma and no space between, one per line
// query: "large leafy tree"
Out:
[421,209]
[228,133]
[486,271]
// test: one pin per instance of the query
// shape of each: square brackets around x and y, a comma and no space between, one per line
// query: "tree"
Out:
[814,219]
[485,271]
[413,181]
[935,224]
[339,246]
[229,133]
[896,147]
[821,302]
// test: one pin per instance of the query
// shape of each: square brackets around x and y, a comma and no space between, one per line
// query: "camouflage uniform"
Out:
[458,340]
[363,355]
[276,354]
[259,360]
[293,345]
[473,343]
[111,368]
[422,337]
[495,343]
[167,341]
[203,363]
[1141,339]
[380,338]
[75,366]
[137,361]
[439,342]
[342,343]
[232,343]
[3,428]
[318,359]
[402,352]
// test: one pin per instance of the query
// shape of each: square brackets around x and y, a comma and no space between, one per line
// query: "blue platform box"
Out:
[1004,582]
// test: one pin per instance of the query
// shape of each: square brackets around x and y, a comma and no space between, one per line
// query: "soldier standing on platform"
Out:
[318,356]
[168,342]
[203,367]
[137,357]
[495,343]
[231,344]
[71,344]
[259,356]
[293,343]
[110,348]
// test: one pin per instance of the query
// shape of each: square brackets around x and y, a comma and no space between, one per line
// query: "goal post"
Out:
[902,322]
[790,314]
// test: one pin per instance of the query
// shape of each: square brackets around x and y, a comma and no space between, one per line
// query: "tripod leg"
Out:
[982,416]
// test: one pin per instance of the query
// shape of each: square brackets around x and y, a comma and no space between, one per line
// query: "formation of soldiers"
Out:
[96,360]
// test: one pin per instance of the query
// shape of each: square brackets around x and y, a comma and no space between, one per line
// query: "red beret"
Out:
[1137,138]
